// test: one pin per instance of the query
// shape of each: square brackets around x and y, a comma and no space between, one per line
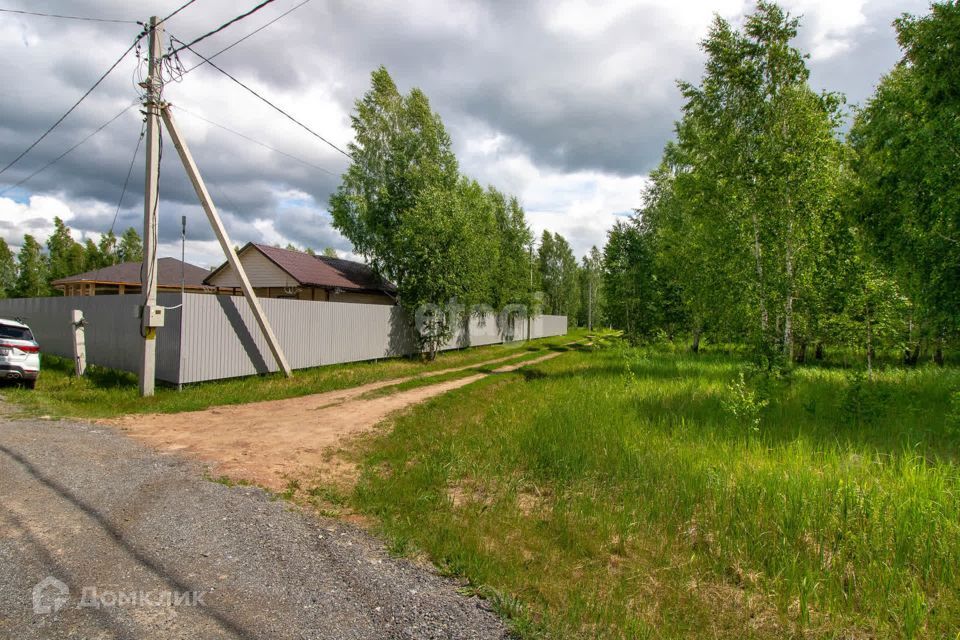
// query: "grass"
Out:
[629,493]
[104,393]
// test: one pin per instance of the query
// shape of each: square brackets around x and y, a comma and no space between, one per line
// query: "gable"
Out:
[261,271]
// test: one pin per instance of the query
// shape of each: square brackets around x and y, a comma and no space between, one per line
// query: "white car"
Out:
[19,353]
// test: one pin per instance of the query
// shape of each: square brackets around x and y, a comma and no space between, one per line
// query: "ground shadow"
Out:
[177,582]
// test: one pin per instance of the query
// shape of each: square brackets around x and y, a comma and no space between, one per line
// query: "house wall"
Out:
[261,272]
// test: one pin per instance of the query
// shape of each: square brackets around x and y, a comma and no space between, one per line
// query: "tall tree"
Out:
[32,269]
[8,270]
[756,162]
[591,290]
[400,151]
[511,278]
[907,140]
[107,248]
[404,206]
[131,247]
[64,254]
[558,275]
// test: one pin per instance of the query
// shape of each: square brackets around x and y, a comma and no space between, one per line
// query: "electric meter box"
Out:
[153,316]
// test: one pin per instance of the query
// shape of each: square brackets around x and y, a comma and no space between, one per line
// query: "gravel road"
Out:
[149,549]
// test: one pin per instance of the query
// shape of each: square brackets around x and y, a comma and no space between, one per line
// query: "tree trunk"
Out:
[818,353]
[758,255]
[788,303]
[938,354]
[801,356]
[695,346]
[869,346]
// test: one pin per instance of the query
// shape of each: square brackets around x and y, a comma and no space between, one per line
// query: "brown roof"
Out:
[321,271]
[168,274]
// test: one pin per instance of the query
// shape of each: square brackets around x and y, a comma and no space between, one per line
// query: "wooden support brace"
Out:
[207,203]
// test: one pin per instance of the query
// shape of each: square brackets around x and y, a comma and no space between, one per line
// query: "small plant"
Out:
[953,418]
[863,401]
[743,403]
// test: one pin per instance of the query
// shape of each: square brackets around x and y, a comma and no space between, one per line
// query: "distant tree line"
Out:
[765,225]
[29,272]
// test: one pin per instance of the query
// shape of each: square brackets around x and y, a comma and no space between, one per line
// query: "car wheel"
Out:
[29,384]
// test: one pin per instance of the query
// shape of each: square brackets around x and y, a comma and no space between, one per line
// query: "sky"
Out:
[566,104]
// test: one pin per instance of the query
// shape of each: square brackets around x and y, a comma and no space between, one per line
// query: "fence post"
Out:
[77,323]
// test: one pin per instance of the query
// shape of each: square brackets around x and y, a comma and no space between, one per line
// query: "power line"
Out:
[70,150]
[179,9]
[262,144]
[75,104]
[252,33]
[57,15]
[267,102]
[220,28]
[126,181]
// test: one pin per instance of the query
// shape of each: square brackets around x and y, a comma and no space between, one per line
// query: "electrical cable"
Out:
[57,15]
[179,9]
[262,144]
[143,130]
[75,104]
[222,27]
[270,104]
[144,288]
[252,33]
[70,150]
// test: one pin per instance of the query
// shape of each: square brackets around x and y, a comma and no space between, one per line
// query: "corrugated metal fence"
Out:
[221,339]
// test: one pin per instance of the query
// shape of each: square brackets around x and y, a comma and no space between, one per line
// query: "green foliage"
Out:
[8,270]
[907,140]
[441,238]
[32,270]
[558,275]
[743,403]
[131,247]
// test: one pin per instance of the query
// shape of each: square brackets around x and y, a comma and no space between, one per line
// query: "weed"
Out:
[744,404]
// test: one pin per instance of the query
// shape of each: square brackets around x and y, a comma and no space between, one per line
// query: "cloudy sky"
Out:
[565,103]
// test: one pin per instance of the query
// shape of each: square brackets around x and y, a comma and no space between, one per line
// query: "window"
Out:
[15,333]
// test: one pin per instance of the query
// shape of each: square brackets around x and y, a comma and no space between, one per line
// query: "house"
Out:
[284,273]
[123,278]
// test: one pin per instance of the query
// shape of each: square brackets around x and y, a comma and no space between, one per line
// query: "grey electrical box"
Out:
[153,316]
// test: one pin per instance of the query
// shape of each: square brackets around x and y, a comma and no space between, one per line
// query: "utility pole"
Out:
[152,315]
[148,320]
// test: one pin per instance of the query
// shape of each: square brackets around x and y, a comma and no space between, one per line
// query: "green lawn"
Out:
[615,493]
[106,393]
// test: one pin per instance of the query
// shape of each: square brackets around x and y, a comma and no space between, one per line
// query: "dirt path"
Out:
[270,442]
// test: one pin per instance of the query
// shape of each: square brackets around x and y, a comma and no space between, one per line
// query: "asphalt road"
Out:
[147,548]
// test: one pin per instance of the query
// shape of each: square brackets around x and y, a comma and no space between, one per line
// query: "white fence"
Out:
[220,339]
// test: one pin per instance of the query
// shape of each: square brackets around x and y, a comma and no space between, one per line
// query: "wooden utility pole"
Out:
[148,271]
[152,315]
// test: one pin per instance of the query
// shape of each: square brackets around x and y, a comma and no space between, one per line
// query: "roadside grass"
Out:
[105,393]
[621,493]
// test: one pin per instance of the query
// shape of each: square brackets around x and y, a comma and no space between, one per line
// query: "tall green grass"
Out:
[618,493]
[104,393]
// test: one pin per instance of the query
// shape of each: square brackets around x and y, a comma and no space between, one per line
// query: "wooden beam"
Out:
[221,232]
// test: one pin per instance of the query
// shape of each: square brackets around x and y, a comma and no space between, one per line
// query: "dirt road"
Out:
[147,549]
[270,442]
